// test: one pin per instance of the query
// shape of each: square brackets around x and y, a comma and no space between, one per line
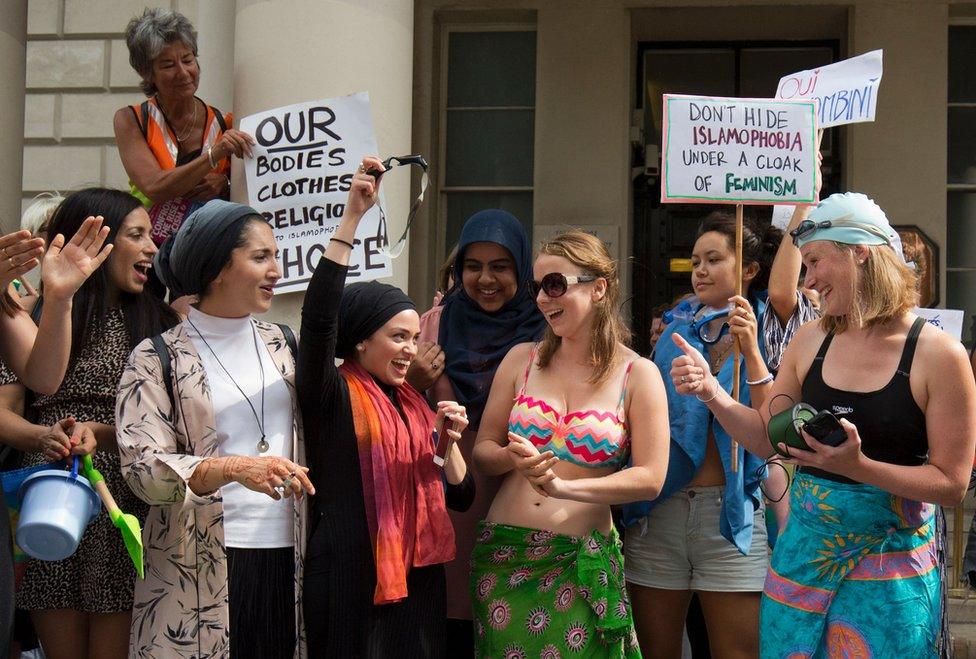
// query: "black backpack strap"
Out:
[164,361]
[144,119]
[289,339]
[220,118]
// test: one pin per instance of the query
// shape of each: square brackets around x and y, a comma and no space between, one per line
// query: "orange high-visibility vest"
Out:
[168,216]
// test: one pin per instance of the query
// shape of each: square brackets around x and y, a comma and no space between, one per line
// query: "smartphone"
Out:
[826,429]
[444,443]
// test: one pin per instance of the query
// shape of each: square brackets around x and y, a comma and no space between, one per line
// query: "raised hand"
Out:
[426,367]
[233,143]
[690,372]
[67,266]
[454,412]
[743,325]
[364,189]
[19,254]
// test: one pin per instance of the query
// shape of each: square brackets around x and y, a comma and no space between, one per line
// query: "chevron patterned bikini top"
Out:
[588,438]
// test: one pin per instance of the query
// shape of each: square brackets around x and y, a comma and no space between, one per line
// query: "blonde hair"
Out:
[883,288]
[37,216]
[609,331]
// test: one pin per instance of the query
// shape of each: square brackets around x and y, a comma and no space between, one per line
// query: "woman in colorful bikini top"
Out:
[546,570]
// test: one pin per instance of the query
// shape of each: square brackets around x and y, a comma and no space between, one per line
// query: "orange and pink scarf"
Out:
[402,488]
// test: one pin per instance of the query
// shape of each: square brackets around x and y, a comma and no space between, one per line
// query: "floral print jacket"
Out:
[181,607]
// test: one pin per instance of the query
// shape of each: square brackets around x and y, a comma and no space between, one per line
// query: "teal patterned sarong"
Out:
[855,574]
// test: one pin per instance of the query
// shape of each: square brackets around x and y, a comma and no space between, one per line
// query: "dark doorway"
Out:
[664,234]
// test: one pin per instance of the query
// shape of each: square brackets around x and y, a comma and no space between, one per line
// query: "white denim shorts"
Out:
[682,548]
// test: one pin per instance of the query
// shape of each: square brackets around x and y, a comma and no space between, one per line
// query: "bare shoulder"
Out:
[939,354]
[124,117]
[641,368]
[516,359]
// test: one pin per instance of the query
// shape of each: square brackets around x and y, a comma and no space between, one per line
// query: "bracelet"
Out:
[213,165]
[707,400]
[755,383]
[344,242]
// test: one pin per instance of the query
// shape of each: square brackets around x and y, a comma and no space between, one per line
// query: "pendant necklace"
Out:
[263,444]
[188,129]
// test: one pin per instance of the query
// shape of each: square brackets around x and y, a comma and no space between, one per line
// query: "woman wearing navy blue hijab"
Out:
[488,309]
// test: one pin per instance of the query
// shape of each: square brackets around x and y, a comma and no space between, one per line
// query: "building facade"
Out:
[548,109]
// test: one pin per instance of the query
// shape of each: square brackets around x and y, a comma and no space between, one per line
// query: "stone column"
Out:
[13,77]
[289,51]
[214,22]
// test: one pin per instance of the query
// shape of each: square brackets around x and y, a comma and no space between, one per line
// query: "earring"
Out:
[360,347]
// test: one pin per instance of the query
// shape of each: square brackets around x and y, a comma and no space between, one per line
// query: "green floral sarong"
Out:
[542,594]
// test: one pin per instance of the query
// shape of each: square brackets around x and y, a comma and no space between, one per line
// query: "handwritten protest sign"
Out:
[948,320]
[782,216]
[303,164]
[847,91]
[738,150]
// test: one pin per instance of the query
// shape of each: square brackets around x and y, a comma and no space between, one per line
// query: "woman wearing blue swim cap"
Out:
[861,512]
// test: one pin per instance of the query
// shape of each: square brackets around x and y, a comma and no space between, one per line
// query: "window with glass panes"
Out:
[960,242]
[487,126]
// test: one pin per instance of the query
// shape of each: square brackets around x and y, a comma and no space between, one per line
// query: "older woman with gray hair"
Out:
[174,147]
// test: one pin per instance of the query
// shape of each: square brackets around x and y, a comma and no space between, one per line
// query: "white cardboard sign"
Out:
[948,320]
[847,91]
[738,150]
[304,160]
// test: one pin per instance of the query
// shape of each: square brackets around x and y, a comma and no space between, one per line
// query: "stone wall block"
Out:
[102,17]
[66,64]
[43,18]
[62,168]
[40,116]
[120,74]
[91,115]
[115,176]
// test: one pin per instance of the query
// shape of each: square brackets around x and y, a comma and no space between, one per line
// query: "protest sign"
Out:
[949,321]
[846,91]
[738,150]
[304,159]
[782,216]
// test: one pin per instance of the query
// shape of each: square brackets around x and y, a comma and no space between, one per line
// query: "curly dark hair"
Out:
[759,241]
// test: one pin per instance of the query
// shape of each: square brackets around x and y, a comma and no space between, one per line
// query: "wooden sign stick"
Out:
[736,348]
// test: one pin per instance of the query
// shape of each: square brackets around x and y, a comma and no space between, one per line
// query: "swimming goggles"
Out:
[382,235]
[706,332]
[806,227]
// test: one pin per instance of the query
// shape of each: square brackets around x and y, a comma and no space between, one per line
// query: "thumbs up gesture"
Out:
[690,372]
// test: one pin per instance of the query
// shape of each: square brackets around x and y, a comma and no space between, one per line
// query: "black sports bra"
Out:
[889,421]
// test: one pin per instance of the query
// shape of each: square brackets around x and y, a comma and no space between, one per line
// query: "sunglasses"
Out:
[555,284]
[806,227]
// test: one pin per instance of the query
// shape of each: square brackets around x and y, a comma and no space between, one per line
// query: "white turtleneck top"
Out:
[252,520]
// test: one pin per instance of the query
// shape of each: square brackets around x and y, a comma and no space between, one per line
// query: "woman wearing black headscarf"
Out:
[221,439]
[488,310]
[374,578]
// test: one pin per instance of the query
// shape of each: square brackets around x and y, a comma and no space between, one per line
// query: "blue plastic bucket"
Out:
[55,508]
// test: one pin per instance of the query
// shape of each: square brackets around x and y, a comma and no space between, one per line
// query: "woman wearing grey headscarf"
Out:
[221,437]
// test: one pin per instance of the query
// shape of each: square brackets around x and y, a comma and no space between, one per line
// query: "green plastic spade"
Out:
[127,524]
